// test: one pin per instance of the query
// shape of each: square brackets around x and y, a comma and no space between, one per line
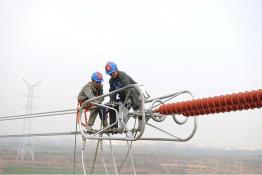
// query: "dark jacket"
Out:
[115,83]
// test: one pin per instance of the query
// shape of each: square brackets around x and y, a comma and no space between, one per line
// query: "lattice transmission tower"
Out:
[26,149]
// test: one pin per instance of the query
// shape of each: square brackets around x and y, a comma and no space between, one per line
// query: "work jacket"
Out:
[120,81]
[89,92]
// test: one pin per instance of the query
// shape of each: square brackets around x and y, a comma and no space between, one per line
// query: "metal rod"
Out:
[82,156]
[131,157]
[93,166]
[103,158]
[112,153]
[124,161]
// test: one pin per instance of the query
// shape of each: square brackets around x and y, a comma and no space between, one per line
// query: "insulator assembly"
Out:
[224,103]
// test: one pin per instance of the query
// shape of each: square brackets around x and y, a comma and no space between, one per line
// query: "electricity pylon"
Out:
[27,147]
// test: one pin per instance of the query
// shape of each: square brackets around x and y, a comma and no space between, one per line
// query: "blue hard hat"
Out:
[97,76]
[110,67]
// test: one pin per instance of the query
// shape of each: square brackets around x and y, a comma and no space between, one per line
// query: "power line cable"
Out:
[36,116]
[40,134]
[14,116]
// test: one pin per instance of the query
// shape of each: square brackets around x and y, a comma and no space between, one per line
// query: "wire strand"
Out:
[40,134]
[37,116]
[14,116]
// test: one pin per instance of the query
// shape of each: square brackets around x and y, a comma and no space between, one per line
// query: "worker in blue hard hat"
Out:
[118,80]
[92,89]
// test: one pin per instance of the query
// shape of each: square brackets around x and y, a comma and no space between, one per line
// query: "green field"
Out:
[148,159]
[14,169]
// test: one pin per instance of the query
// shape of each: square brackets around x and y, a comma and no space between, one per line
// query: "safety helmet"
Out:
[110,67]
[97,76]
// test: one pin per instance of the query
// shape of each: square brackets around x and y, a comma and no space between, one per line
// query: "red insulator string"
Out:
[224,103]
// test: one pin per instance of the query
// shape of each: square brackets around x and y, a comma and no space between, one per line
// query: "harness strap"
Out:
[86,109]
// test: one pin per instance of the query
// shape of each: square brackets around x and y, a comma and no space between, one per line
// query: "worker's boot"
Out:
[89,128]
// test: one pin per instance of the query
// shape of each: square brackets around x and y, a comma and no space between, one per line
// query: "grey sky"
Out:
[210,47]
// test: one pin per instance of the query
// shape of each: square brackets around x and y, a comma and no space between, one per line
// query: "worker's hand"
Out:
[117,96]
[111,103]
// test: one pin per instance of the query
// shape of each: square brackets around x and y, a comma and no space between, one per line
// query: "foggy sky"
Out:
[210,47]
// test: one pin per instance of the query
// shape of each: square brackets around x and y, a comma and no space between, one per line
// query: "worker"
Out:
[92,89]
[118,80]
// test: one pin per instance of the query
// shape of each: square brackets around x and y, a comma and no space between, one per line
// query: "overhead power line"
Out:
[11,116]
[37,115]
[40,134]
